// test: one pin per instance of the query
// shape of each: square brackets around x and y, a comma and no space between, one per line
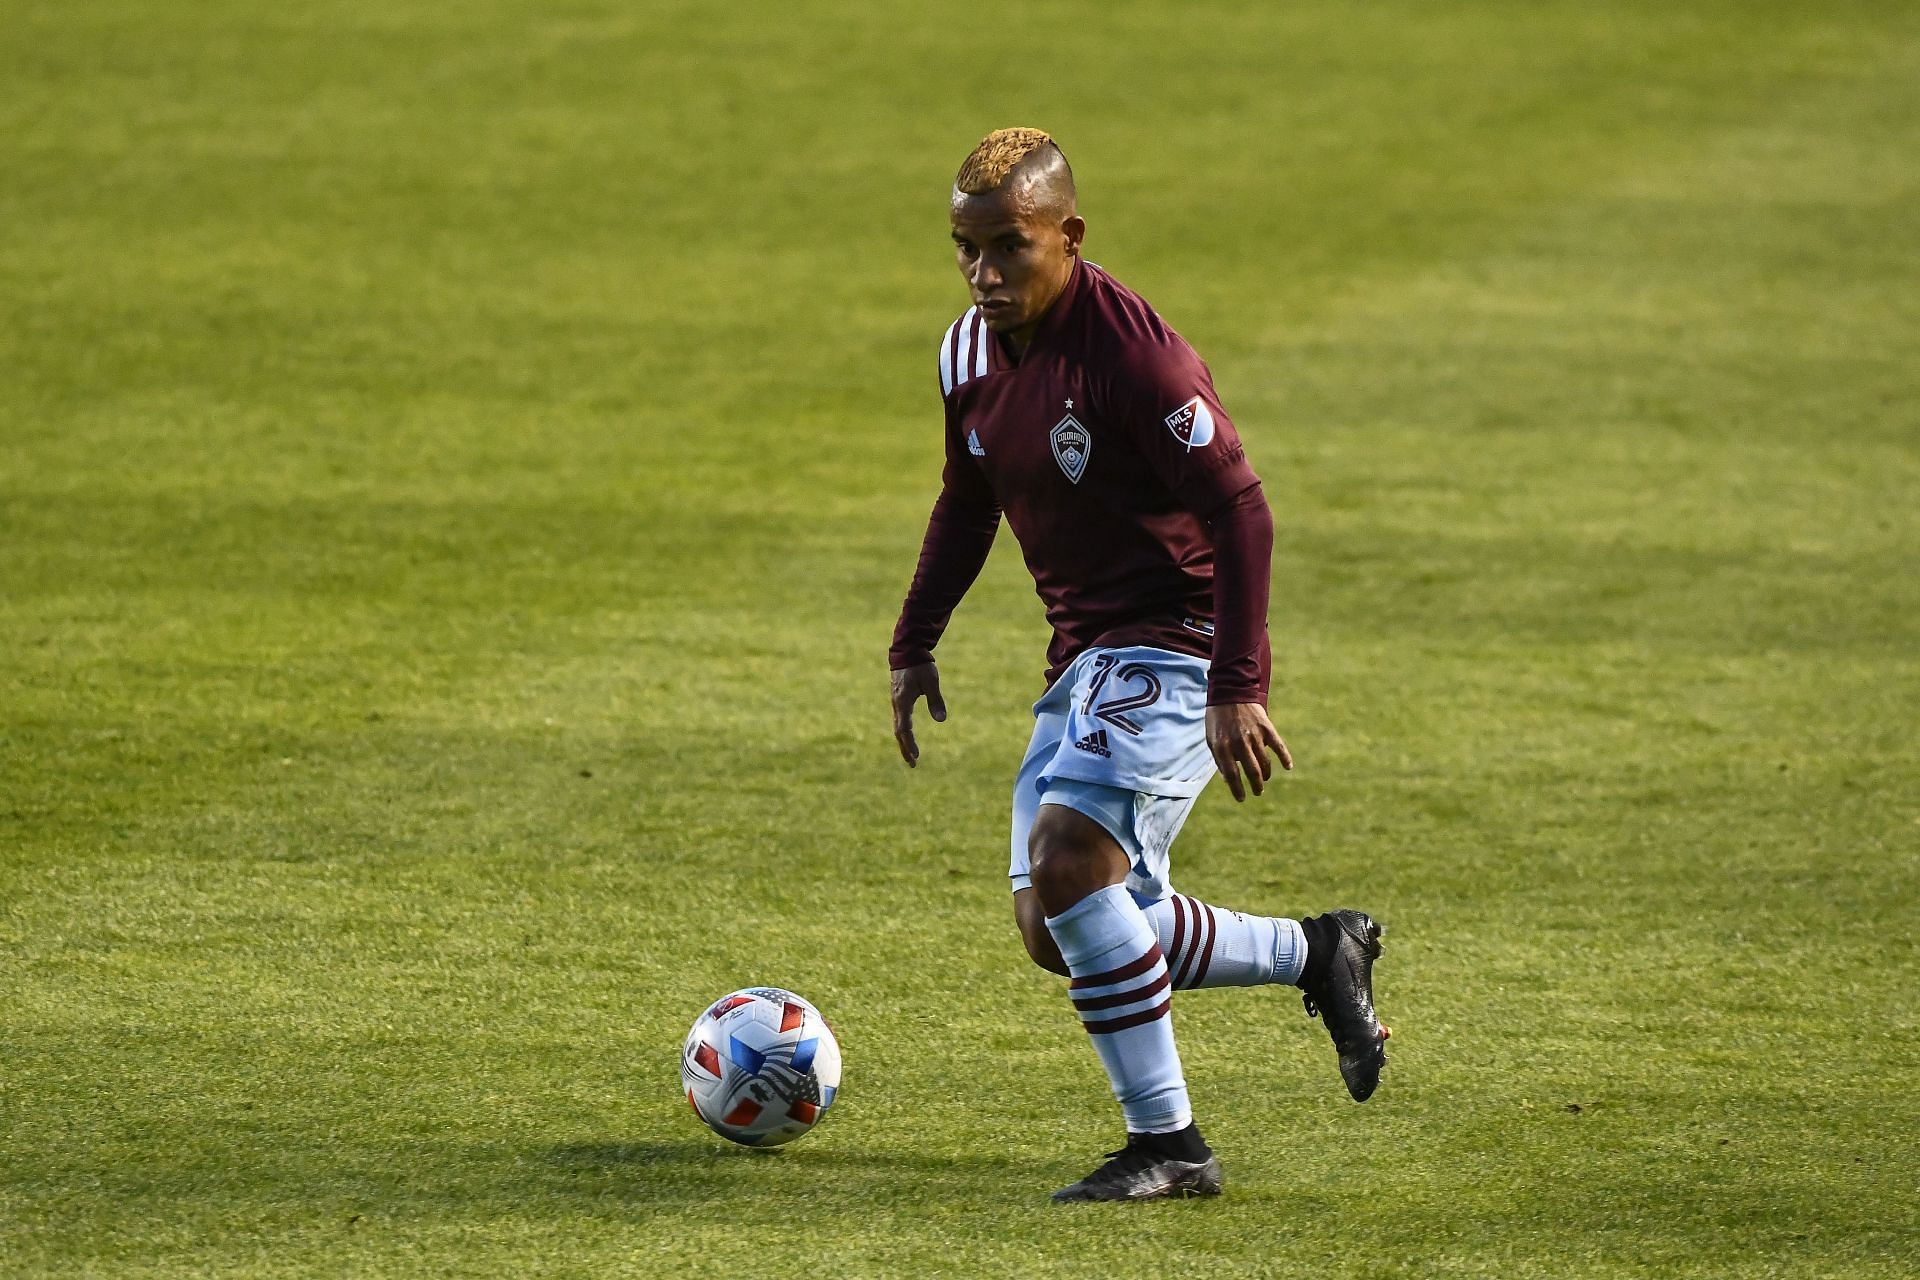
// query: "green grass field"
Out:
[459,465]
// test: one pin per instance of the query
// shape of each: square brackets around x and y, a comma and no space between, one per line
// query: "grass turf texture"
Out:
[459,467]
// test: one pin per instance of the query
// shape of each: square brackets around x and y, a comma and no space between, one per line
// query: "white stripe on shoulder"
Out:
[963,362]
[980,345]
[946,359]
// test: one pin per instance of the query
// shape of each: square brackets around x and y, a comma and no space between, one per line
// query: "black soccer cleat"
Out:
[1135,1173]
[1342,997]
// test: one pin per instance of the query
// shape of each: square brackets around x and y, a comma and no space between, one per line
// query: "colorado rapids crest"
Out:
[1072,444]
[1191,423]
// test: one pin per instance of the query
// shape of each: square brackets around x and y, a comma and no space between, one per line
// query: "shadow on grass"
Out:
[619,1155]
[648,1175]
[678,1157]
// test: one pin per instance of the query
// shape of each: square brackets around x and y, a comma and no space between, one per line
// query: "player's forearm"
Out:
[959,536]
[1242,572]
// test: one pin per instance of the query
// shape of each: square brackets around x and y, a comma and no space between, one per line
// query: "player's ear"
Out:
[1074,229]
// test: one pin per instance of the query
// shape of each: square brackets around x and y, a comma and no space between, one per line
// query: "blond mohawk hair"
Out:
[998,154]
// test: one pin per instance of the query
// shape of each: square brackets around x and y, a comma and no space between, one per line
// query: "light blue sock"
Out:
[1123,994]
[1214,947]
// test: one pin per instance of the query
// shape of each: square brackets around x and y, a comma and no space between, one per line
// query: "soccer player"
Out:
[1072,409]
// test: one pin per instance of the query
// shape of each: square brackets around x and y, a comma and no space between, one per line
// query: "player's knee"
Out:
[1070,856]
[1053,855]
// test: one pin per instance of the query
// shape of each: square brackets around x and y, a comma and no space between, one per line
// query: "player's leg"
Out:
[1329,957]
[1204,945]
[1142,791]
[1121,990]
[1209,946]
[1086,880]
[1049,724]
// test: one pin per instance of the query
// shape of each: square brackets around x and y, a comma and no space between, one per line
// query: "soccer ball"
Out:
[760,1066]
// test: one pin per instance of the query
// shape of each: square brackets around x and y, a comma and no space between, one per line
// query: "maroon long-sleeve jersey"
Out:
[1123,480]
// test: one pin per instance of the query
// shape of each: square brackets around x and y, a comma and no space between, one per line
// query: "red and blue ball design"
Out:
[760,1066]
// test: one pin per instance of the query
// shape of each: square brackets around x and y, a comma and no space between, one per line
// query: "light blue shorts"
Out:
[1121,736]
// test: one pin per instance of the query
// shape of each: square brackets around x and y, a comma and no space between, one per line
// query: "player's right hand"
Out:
[909,685]
[1239,735]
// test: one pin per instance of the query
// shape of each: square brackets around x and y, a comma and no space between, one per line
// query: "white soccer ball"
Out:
[760,1066]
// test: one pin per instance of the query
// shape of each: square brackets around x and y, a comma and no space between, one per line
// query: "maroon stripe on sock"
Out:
[1149,958]
[1202,943]
[1179,929]
[1206,956]
[1087,1004]
[1185,958]
[1139,1019]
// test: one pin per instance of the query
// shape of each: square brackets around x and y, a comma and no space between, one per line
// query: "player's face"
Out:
[1016,256]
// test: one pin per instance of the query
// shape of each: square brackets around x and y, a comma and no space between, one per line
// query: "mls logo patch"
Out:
[1071,445]
[1191,424]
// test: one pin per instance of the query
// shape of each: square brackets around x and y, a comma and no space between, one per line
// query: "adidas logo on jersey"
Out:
[1095,742]
[973,445]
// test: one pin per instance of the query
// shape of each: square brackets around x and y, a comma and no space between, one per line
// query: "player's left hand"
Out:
[1239,734]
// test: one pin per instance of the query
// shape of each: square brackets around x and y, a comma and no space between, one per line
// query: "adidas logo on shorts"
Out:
[1096,742]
